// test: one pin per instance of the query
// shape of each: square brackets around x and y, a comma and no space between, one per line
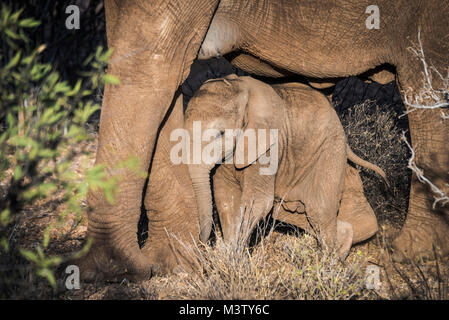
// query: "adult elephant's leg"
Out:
[169,201]
[154,45]
[426,227]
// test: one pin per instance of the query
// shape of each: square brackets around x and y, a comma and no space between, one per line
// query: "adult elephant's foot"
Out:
[421,240]
[425,233]
[103,263]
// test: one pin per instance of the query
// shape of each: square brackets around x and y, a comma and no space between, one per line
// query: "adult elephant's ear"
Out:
[259,117]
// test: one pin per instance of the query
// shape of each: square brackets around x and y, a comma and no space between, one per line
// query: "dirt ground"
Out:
[427,280]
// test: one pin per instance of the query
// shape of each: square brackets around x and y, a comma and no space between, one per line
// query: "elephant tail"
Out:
[357,160]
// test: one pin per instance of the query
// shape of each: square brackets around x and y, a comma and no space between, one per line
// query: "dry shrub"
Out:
[291,266]
[374,135]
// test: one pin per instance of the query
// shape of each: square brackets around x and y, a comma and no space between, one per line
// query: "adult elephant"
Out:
[155,44]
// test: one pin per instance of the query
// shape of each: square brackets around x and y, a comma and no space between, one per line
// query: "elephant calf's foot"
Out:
[165,261]
[355,209]
[345,233]
[364,223]
[421,239]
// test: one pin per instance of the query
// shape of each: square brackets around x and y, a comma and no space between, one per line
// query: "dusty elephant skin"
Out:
[312,163]
[155,44]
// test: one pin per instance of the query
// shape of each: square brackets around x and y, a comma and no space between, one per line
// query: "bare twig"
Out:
[440,196]
[428,97]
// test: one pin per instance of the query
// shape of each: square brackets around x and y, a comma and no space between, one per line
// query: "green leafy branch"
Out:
[41,119]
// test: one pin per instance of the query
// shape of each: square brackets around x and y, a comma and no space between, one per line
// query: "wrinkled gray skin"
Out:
[312,160]
[155,43]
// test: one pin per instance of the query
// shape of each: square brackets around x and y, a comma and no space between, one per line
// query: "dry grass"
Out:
[374,135]
[281,266]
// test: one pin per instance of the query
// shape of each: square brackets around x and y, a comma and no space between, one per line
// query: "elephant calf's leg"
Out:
[355,209]
[321,190]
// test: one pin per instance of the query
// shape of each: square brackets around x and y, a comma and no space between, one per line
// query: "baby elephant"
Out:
[280,148]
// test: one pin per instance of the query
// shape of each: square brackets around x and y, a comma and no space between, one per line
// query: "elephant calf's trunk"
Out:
[200,176]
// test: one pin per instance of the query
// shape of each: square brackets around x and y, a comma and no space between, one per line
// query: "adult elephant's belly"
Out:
[323,47]
[256,66]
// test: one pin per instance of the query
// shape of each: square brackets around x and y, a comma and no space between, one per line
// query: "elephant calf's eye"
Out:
[219,134]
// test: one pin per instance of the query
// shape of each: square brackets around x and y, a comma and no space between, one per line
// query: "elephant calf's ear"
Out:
[260,114]
[250,146]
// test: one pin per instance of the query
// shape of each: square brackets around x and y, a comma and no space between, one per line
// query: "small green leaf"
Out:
[48,274]
[5,217]
[110,79]
[15,16]
[18,173]
[4,244]
[29,255]
[12,34]
[75,89]
[46,239]
[29,23]
[14,61]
